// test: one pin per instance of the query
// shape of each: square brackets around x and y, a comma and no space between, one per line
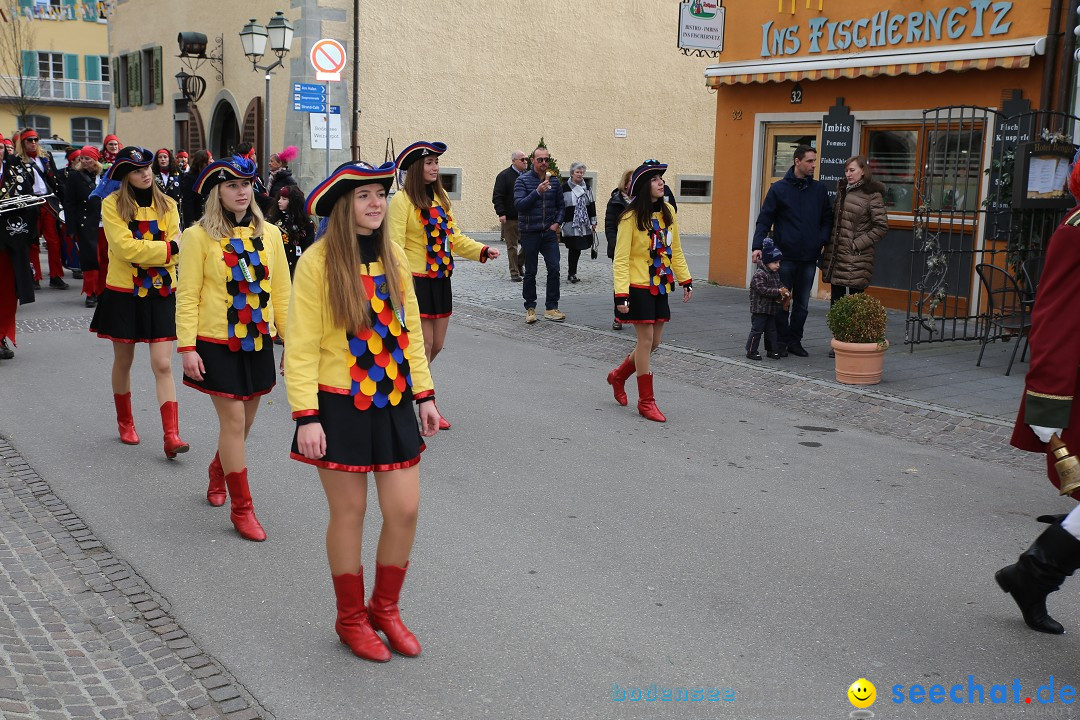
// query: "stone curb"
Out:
[81,634]
[863,408]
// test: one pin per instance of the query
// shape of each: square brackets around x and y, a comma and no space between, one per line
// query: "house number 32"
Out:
[736,114]
[796,95]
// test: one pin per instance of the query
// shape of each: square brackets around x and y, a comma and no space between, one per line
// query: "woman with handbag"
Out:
[579,218]
[616,206]
[356,363]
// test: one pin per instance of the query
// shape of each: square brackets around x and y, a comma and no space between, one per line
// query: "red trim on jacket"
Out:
[185,349]
[334,390]
[305,413]
[426,393]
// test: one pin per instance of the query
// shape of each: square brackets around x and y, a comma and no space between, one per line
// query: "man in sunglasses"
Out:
[539,202]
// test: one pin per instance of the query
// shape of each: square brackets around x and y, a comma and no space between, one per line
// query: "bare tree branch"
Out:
[19,86]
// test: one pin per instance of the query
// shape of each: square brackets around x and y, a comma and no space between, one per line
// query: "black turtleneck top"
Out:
[369,247]
[143,197]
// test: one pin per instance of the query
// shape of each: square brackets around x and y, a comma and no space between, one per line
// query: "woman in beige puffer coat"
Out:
[859,221]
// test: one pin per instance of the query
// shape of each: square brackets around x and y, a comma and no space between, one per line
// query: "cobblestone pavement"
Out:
[81,634]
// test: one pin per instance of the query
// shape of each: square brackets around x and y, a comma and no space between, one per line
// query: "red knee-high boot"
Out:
[617,378]
[124,422]
[383,609]
[352,623]
[215,493]
[170,423]
[89,283]
[646,404]
[243,513]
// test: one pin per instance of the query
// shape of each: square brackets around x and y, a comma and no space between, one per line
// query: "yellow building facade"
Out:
[602,85]
[54,69]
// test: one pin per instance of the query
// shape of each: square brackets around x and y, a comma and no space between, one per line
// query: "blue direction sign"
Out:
[313,89]
[309,105]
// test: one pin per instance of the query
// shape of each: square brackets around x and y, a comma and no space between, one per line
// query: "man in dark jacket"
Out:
[798,216]
[16,234]
[539,203]
[502,197]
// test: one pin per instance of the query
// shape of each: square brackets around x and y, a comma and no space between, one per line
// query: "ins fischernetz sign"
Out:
[887,29]
[701,25]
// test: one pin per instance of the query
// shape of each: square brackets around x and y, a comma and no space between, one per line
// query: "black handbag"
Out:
[595,246]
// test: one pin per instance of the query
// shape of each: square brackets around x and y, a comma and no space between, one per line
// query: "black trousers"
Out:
[839,291]
[762,323]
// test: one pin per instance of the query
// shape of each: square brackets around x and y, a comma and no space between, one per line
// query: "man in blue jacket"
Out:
[539,203]
[798,216]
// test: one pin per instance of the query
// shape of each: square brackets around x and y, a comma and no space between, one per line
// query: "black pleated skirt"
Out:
[122,317]
[434,297]
[645,308]
[362,441]
[232,374]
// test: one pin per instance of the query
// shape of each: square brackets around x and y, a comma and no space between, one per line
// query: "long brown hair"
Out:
[868,176]
[416,188]
[219,222]
[641,205]
[348,300]
[126,205]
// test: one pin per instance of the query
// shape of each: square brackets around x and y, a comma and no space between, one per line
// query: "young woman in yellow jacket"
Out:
[138,305]
[233,299]
[354,364]
[648,261]
[420,221]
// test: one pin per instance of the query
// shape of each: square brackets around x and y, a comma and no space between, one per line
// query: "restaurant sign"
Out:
[887,29]
[701,25]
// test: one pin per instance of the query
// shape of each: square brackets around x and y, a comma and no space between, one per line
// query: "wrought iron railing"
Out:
[55,89]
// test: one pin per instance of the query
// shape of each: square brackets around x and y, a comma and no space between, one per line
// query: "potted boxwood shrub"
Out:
[857,323]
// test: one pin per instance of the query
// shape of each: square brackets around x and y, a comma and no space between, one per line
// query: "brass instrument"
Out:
[22,202]
[1067,466]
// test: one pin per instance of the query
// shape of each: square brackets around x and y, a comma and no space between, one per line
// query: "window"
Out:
[87,131]
[451,182]
[41,123]
[892,156]
[50,66]
[47,4]
[951,158]
[106,75]
[694,188]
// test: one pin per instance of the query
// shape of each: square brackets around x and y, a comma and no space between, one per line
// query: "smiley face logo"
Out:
[862,693]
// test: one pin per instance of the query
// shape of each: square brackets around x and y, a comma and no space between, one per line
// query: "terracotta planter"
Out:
[859,363]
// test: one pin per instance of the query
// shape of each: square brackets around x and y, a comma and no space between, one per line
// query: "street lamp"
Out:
[254,37]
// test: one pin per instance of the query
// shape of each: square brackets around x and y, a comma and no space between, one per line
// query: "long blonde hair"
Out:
[415,187]
[126,206]
[349,304]
[219,222]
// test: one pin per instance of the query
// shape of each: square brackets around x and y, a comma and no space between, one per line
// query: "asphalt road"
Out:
[568,546]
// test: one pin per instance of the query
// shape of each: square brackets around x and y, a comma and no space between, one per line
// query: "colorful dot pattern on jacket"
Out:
[440,244]
[249,293]
[149,280]
[377,363]
[661,277]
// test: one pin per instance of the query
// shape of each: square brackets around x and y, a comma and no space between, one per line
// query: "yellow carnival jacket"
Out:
[216,302]
[648,259]
[430,237]
[320,355]
[140,260]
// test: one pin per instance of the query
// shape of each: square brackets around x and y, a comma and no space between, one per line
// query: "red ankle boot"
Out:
[171,424]
[243,514]
[215,493]
[646,404]
[124,422]
[352,623]
[383,609]
[617,379]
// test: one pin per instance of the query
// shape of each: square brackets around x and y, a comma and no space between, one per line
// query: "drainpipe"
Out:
[1053,30]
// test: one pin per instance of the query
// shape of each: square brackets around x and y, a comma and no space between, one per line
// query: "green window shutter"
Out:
[93,76]
[115,74]
[29,63]
[68,8]
[155,77]
[134,80]
[71,77]
[26,4]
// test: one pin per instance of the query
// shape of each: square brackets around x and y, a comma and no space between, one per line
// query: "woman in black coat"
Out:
[191,202]
[83,219]
[579,217]
[616,206]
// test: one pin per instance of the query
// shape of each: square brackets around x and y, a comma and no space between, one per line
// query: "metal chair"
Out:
[1008,309]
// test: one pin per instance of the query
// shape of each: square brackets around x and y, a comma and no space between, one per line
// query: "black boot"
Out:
[1040,571]
[752,345]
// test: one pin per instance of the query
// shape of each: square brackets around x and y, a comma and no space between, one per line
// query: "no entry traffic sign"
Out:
[328,58]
